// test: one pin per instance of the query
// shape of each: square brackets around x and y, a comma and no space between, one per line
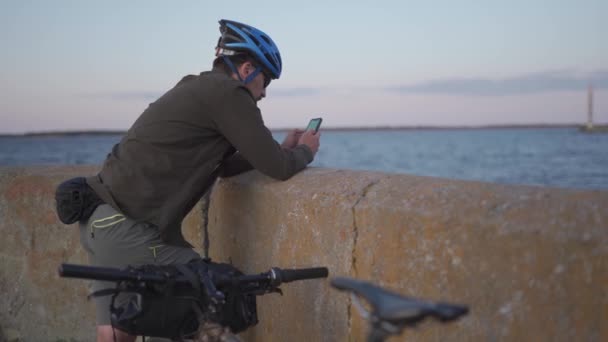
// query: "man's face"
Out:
[258,85]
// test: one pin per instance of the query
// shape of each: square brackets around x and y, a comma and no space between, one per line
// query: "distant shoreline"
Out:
[375,128]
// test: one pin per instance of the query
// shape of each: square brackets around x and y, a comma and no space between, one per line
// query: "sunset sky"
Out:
[82,65]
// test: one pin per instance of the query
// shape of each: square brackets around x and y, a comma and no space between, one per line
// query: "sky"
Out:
[97,65]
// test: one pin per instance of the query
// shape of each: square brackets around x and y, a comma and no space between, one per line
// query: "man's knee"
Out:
[105,333]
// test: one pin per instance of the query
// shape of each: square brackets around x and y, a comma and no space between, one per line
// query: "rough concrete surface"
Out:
[258,223]
[532,262]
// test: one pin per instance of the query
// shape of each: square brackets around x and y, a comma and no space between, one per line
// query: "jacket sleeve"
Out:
[235,165]
[239,120]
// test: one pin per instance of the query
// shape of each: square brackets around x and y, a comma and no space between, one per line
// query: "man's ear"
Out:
[245,69]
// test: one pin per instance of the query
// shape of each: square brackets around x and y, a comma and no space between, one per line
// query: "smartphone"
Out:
[314,124]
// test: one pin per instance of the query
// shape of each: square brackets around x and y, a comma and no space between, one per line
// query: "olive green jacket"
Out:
[165,162]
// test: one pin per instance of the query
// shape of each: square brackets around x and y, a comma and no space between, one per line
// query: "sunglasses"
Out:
[267,76]
[267,79]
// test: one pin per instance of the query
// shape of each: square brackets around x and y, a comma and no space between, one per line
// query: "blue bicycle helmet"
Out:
[241,38]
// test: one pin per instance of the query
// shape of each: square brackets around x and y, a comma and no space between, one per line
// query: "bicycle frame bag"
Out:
[174,310]
[239,311]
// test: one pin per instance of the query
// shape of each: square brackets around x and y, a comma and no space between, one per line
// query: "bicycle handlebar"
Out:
[290,275]
[106,273]
[275,276]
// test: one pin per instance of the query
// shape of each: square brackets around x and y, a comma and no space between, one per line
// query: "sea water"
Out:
[559,157]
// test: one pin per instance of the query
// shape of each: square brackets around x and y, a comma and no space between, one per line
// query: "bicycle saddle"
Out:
[393,307]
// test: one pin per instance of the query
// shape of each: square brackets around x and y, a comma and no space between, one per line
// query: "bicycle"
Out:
[209,289]
[391,312]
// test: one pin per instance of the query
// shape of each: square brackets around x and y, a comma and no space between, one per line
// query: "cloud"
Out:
[290,92]
[533,83]
[526,84]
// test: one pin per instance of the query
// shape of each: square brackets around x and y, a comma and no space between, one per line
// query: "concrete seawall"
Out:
[531,262]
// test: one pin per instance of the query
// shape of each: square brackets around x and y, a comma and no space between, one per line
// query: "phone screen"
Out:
[314,124]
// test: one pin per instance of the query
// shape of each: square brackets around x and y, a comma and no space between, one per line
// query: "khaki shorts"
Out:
[113,240]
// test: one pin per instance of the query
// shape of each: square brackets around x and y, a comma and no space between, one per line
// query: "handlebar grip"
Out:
[92,272]
[288,275]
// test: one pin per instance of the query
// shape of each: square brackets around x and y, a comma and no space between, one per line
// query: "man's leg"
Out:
[105,333]
[114,240]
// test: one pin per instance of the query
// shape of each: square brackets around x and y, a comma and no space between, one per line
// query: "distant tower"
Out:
[590,108]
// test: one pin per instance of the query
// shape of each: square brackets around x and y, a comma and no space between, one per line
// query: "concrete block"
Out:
[532,262]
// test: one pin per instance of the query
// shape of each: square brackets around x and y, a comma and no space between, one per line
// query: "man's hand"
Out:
[310,139]
[292,138]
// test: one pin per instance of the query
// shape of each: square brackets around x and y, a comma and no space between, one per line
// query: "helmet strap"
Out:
[252,75]
[232,67]
[234,70]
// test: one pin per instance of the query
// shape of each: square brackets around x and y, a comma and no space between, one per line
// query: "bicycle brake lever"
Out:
[263,291]
[214,294]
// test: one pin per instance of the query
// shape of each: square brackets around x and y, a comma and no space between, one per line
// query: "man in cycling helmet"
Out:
[167,160]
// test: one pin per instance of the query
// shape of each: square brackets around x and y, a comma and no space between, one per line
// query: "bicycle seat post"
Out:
[379,330]
[376,334]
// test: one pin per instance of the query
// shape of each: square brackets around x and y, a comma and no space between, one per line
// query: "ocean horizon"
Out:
[555,156]
[328,128]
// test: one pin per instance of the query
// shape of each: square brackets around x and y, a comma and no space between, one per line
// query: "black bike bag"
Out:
[175,310]
[75,200]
